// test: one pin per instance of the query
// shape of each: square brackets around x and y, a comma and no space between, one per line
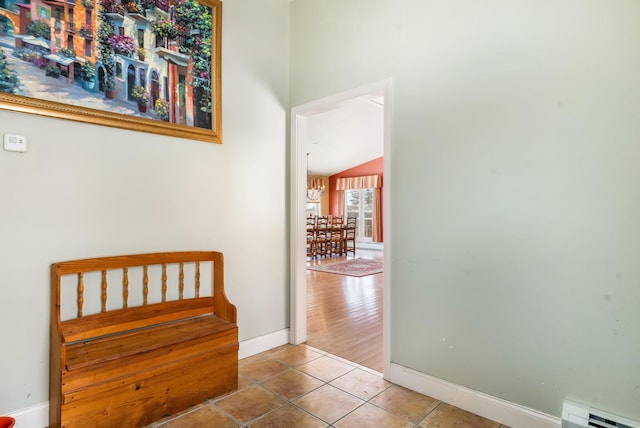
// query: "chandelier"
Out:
[315,185]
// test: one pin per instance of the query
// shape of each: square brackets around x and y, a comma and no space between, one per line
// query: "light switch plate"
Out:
[15,143]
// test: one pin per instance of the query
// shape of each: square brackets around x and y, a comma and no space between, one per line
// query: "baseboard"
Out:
[370,246]
[263,343]
[37,416]
[504,412]
[496,409]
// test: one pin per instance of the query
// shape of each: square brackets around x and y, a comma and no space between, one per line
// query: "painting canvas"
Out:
[146,65]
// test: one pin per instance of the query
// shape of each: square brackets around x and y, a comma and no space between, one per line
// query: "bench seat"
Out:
[146,340]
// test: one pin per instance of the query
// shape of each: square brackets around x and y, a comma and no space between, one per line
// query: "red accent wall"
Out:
[373,167]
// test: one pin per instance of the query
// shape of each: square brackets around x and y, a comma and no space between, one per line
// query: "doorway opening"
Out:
[301,136]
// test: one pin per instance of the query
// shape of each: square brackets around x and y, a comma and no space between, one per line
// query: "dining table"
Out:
[320,240]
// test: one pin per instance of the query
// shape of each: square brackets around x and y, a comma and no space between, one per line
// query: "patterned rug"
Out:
[355,267]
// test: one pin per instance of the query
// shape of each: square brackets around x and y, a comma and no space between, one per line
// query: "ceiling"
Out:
[345,135]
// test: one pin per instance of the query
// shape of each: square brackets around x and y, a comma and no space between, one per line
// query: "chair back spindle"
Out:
[125,287]
[181,284]
[164,282]
[197,279]
[104,291]
[145,285]
[80,293]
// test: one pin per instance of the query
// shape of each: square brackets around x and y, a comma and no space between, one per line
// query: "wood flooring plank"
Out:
[344,314]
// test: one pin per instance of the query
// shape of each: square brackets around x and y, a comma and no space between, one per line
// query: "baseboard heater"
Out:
[575,415]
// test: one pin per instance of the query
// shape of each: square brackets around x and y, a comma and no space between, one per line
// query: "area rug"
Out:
[355,267]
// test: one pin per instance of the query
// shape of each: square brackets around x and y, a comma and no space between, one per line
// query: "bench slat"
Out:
[118,262]
[84,354]
[110,370]
[119,320]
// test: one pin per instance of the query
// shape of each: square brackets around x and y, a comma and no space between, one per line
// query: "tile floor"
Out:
[303,387]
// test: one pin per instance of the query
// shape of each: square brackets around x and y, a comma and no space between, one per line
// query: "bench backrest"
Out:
[142,313]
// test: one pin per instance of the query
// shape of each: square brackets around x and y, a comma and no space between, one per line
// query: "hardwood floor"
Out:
[344,313]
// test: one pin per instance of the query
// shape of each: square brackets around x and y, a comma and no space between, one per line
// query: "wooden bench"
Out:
[158,346]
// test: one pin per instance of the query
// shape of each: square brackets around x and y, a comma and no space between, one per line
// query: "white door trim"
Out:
[298,289]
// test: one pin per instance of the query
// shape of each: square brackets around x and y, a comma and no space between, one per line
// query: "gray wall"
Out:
[515,194]
[88,191]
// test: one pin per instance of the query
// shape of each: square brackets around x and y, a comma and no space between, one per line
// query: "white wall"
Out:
[350,134]
[88,191]
[515,188]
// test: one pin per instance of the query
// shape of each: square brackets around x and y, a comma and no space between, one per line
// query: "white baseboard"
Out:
[263,343]
[37,416]
[370,246]
[496,409]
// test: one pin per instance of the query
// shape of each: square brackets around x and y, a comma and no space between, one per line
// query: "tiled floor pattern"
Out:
[303,387]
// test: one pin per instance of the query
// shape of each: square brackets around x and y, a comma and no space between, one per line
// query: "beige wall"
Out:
[324,198]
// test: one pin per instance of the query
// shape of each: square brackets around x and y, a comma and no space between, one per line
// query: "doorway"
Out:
[299,136]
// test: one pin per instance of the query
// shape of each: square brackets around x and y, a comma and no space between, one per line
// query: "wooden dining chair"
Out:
[311,237]
[322,236]
[337,235]
[350,236]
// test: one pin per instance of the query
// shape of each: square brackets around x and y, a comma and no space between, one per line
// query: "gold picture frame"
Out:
[161,56]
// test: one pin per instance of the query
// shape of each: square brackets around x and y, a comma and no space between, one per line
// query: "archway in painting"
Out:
[101,74]
[142,77]
[154,90]
[182,100]
[77,72]
[131,81]
[9,22]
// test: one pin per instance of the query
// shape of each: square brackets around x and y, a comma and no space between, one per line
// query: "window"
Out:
[87,47]
[359,203]
[87,17]
[313,208]
[140,38]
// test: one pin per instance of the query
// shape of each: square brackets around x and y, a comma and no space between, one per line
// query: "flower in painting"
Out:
[165,28]
[122,44]
[162,109]
[162,4]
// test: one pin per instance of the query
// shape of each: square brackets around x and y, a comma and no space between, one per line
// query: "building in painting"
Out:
[164,48]
[154,47]
[57,38]
[9,17]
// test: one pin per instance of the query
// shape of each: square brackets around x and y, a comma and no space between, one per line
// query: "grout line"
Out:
[284,402]
[429,414]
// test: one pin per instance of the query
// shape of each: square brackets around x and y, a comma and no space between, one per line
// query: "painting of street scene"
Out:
[145,58]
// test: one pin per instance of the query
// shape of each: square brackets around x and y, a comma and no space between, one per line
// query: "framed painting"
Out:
[144,65]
